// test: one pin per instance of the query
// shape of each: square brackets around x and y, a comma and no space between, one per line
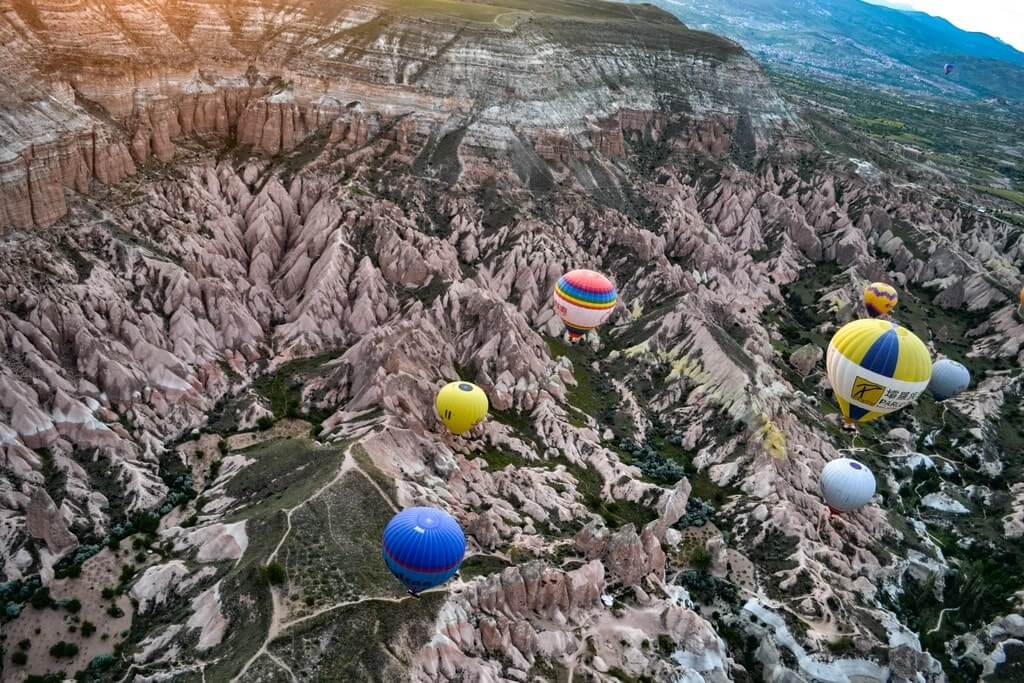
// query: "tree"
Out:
[275,573]
[41,598]
[64,649]
[88,628]
[74,605]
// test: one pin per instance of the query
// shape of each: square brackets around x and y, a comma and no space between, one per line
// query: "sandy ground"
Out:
[46,627]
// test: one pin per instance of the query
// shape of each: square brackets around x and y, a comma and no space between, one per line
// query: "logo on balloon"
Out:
[867,392]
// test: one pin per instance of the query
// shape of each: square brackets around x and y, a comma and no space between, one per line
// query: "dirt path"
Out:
[278,608]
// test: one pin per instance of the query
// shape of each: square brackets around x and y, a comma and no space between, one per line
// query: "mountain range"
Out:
[863,42]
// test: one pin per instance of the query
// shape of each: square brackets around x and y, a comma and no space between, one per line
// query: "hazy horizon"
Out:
[998,18]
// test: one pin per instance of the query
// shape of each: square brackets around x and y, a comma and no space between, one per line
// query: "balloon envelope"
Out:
[876,367]
[461,405]
[880,299]
[583,300]
[847,484]
[949,378]
[423,547]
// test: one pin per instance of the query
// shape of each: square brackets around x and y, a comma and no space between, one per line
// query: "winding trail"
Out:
[938,625]
[277,625]
[278,609]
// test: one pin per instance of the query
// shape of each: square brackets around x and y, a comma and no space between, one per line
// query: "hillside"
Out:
[878,46]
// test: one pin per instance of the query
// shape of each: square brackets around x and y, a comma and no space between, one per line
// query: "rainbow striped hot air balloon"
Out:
[880,299]
[583,300]
[876,367]
[423,547]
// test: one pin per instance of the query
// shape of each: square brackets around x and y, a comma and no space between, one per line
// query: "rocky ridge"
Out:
[401,246]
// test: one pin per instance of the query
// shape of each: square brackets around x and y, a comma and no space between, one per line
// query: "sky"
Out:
[1003,19]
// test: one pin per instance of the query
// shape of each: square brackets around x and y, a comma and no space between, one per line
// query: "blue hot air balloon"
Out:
[949,378]
[423,547]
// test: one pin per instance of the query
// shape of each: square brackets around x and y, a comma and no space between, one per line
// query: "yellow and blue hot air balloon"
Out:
[880,299]
[876,367]
[461,405]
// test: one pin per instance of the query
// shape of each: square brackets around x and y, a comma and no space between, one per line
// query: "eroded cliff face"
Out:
[92,90]
[334,212]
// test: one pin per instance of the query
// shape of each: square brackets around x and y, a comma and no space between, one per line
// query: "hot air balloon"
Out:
[846,485]
[461,405]
[876,367]
[947,69]
[1020,309]
[583,300]
[880,299]
[949,378]
[423,547]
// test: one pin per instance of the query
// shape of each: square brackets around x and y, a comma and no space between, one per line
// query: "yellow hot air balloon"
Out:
[461,405]
[876,367]
[880,299]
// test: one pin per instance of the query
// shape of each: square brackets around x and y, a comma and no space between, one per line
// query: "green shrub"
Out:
[115,612]
[63,649]
[25,644]
[88,628]
[108,593]
[701,558]
[41,598]
[264,423]
[73,605]
[19,658]
[275,573]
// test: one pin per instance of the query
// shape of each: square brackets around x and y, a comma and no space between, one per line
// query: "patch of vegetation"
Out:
[64,650]
[335,646]
[366,464]
[481,565]
[285,473]
[275,573]
[333,551]
[19,658]
[283,388]
[1009,195]
[705,588]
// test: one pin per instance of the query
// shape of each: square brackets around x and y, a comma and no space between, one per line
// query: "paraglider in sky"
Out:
[876,367]
[880,299]
[947,69]
[846,485]
[423,547]
[583,300]
[949,378]
[461,405]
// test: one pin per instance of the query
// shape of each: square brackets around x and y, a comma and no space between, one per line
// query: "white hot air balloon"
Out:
[846,485]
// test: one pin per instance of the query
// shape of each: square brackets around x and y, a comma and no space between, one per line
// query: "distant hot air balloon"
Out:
[949,378]
[876,367]
[423,547]
[583,300]
[846,485]
[880,299]
[947,69]
[461,405]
